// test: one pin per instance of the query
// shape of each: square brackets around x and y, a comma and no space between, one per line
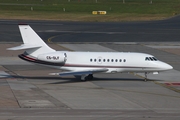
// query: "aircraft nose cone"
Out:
[167,66]
[164,66]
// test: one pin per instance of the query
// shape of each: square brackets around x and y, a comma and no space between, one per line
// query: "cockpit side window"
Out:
[147,59]
[154,58]
[151,58]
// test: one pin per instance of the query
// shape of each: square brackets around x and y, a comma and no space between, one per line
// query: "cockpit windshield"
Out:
[150,59]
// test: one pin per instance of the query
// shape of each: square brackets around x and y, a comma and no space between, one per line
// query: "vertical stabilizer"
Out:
[33,44]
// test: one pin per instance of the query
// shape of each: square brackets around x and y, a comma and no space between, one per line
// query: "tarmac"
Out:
[28,92]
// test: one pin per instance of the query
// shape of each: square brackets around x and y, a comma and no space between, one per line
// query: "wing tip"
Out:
[53,73]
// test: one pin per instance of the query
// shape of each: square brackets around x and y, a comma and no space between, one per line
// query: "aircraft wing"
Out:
[85,72]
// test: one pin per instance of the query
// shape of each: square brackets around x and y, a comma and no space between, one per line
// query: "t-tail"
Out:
[33,44]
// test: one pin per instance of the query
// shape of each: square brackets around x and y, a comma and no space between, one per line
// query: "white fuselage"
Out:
[113,61]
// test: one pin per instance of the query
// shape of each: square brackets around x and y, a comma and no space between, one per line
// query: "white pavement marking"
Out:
[35,103]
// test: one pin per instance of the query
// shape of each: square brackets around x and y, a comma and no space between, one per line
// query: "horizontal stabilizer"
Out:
[24,46]
[80,72]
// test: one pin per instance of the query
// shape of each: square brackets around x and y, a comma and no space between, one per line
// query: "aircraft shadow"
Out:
[62,80]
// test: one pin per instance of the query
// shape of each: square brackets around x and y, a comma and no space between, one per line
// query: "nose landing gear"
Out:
[145,74]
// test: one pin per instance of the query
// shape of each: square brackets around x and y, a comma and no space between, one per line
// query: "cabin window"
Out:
[116,60]
[108,60]
[91,60]
[120,60]
[104,60]
[99,60]
[112,60]
[94,60]
[124,60]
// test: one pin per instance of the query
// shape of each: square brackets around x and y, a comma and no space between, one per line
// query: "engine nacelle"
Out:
[55,57]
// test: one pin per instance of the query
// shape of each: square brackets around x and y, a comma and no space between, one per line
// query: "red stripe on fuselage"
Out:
[102,66]
[27,57]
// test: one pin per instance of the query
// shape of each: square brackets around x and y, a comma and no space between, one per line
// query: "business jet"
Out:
[85,64]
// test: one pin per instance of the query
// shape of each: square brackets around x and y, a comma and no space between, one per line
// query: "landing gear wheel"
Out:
[89,77]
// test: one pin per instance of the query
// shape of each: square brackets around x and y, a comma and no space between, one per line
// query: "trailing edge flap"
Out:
[91,71]
[24,46]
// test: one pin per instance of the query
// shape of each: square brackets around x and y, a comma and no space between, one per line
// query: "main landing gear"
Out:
[88,77]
